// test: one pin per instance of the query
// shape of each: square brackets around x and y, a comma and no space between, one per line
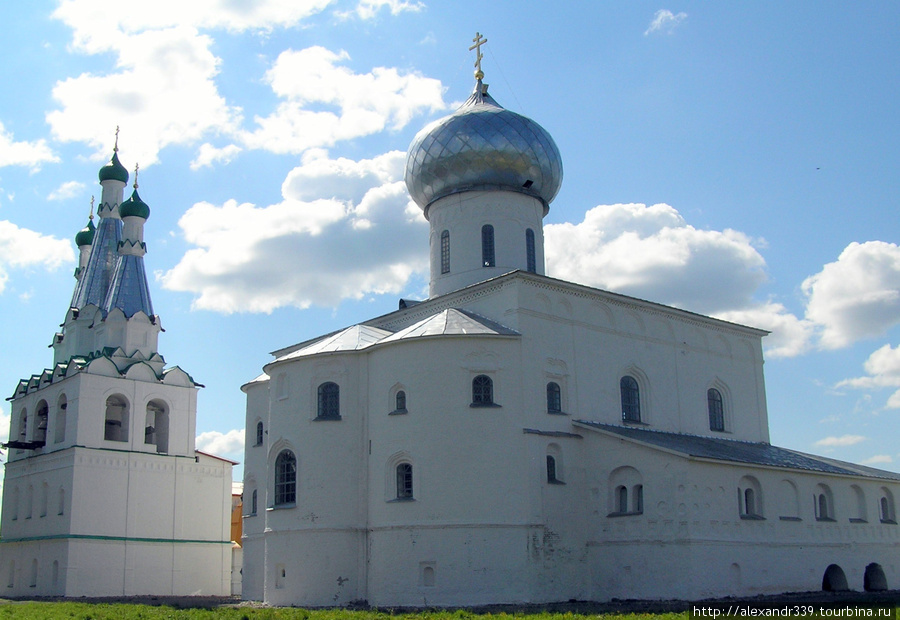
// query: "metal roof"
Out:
[452,322]
[731,450]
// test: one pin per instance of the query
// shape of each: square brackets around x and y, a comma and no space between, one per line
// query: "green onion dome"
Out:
[134,207]
[85,236]
[114,171]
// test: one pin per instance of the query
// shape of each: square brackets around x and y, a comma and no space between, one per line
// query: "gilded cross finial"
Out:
[135,175]
[116,147]
[479,40]
[91,216]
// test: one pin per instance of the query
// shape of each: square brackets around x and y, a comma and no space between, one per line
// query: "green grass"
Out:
[122,611]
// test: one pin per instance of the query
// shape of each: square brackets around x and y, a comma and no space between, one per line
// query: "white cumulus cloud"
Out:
[97,28]
[665,21]
[28,154]
[652,253]
[21,248]
[878,459]
[882,370]
[325,102]
[367,9]
[207,155]
[843,440]
[345,229]
[161,93]
[219,444]
[857,296]
[69,189]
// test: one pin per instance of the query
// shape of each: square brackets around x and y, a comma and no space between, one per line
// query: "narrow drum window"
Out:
[487,246]
[716,410]
[631,399]
[445,251]
[554,398]
[551,469]
[482,390]
[401,401]
[259,433]
[404,481]
[285,478]
[621,499]
[530,260]
[329,401]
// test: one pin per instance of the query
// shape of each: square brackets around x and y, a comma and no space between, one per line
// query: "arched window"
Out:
[487,246]
[445,251]
[554,398]
[637,498]
[60,432]
[886,507]
[253,502]
[45,495]
[716,410]
[749,502]
[530,260]
[156,427]
[400,401]
[404,481]
[622,499]
[482,391]
[32,582]
[631,399]
[42,416]
[329,401]
[62,501]
[116,428]
[285,478]
[259,433]
[551,469]
[824,503]
[23,425]
[750,498]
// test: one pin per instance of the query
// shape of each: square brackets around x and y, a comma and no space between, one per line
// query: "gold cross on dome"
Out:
[479,40]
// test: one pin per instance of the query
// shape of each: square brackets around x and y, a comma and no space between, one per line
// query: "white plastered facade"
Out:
[485,524]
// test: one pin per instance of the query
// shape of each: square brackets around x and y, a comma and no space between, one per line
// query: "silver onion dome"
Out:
[482,146]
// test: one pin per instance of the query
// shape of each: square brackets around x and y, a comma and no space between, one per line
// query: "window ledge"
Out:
[399,412]
[484,406]
[634,423]
[625,514]
[889,521]
[790,519]
[249,515]
[282,507]
[560,482]
[256,445]
[563,413]
[753,517]
[855,520]
[401,500]
[327,418]
[826,519]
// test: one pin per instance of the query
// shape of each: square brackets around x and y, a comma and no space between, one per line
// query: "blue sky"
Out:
[734,159]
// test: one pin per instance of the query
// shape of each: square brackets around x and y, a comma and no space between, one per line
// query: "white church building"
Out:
[518,438]
[104,493]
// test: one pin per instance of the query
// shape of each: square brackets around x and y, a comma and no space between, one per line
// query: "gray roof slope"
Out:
[453,321]
[740,451]
[353,338]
